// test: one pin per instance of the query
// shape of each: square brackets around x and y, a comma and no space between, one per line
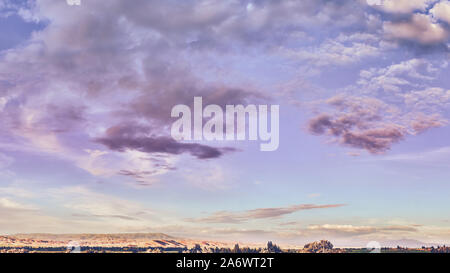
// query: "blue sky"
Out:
[364,94]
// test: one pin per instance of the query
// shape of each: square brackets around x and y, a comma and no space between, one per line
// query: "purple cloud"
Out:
[123,137]
[369,124]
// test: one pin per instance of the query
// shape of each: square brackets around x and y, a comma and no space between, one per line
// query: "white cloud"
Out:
[343,50]
[435,98]
[403,6]
[393,78]
[349,230]
[420,28]
[441,11]
[10,204]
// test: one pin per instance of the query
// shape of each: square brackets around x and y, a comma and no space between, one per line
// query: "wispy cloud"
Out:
[436,157]
[262,213]
[352,230]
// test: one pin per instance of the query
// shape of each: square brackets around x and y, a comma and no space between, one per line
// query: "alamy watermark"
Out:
[227,125]
[373,247]
[74,247]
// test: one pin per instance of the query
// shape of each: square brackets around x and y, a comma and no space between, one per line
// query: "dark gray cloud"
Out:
[179,88]
[123,137]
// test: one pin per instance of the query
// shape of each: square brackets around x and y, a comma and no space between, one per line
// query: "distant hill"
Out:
[144,240]
[115,236]
[410,243]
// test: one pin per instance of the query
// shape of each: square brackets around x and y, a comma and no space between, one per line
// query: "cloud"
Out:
[129,66]
[369,123]
[17,217]
[113,216]
[352,230]
[139,176]
[422,122]
[376,140]
[342,50]
[9,204]
[93,70]
[385,106]
[357,124]
[433,158]
[432,98]
[389,81]
[403,6]
[417,25]
[134,137]
[90,206]
[262,213]
[441,11]
[419,28]
[84,211]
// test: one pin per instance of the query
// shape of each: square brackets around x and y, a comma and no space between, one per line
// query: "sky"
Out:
[86,93]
